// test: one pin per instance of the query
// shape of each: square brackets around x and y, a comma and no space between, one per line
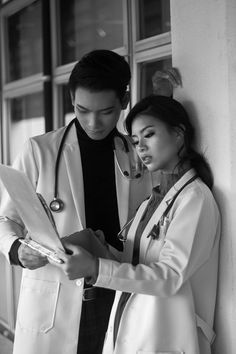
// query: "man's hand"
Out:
[31,259]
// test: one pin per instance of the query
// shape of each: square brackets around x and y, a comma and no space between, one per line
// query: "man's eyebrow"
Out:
[100,110]
[142,130]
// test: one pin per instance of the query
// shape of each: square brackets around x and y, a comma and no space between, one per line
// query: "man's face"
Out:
[97,112]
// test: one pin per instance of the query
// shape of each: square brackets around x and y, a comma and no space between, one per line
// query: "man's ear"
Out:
[180,131]
[125,100]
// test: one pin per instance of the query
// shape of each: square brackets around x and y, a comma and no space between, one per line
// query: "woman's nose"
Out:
[141,146]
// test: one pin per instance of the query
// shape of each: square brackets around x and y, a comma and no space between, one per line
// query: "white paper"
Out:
[29,208]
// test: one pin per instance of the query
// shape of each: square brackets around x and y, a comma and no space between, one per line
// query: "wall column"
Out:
[204,51]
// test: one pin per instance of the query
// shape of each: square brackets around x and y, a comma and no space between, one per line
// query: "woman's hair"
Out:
[173,115]
[101,70]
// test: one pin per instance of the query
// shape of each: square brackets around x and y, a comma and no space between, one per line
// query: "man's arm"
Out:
[11,226]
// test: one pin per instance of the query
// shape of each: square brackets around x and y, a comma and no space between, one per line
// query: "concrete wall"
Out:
[204,51]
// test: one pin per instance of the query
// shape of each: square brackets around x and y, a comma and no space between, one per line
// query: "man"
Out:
[100,189]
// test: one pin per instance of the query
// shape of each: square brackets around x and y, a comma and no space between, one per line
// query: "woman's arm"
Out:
[188,244]
[190,238]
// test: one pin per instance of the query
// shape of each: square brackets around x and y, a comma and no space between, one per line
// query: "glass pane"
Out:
[26,120]
[68,109]
[147,70]
[154,17]
[24,31]
[89,24]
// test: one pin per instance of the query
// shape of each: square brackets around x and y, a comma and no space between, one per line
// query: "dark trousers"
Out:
[94,321]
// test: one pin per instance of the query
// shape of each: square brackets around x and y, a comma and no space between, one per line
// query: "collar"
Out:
[167,181]
[176,187]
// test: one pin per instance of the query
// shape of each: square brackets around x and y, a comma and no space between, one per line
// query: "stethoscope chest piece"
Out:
[56,205]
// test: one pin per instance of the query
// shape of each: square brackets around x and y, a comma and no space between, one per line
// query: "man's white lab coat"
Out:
[49,304]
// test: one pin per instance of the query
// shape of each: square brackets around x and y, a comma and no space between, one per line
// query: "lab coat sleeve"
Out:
[11,226]
[188,244]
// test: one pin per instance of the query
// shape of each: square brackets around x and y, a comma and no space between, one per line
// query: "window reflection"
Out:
[24,31]
[88,25]
[154,17]
[26,120]
[147,70]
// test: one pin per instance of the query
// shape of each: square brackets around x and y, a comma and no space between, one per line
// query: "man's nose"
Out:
[93,120]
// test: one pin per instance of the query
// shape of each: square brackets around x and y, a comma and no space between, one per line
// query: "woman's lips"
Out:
[146,159]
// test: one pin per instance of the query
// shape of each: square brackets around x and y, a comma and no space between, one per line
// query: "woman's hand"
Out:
[92,241]
[78,263]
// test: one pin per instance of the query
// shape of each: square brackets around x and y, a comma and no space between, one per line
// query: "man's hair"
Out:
[101,70]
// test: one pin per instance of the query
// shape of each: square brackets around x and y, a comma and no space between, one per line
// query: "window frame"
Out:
[157,47]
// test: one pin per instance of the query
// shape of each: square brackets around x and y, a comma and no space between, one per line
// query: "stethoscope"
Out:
[155,231]
[57,205]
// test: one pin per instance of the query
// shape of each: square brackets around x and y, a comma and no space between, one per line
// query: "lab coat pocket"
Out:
[37,304]
[156,241]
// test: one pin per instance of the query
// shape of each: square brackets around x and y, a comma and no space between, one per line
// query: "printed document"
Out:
[29,208]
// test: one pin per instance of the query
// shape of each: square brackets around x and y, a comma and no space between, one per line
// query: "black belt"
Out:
[92,293]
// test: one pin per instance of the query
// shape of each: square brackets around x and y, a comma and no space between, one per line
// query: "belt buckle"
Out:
[89,294]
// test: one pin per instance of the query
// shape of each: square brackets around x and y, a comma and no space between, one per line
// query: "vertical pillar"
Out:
[204,51]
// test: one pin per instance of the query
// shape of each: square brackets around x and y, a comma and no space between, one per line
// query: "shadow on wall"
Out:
[225,293]
[224,300]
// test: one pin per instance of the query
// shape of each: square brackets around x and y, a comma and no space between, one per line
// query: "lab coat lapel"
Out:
[145,240]
[72,158]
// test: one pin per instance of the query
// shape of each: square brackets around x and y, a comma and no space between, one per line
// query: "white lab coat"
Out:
[49,304]
[171,309]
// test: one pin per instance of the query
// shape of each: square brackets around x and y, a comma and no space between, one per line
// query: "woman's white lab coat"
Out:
[171,309]
[49,304]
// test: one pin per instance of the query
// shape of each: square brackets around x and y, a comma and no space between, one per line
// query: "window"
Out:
[139,30]
[151,42]
[88,24]
[147,71]
[24,47]
[25,87]
[153,17]
[26,120]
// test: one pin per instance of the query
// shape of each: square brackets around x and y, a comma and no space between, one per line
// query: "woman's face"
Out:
[156,145]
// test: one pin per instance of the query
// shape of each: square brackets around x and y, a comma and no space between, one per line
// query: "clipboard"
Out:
[43,233]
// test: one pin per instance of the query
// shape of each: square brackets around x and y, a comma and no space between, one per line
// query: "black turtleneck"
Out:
[101,210]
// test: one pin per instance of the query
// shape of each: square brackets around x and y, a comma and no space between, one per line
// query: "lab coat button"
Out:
[78,282]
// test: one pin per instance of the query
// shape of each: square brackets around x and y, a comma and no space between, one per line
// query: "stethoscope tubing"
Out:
[154,233]
[56,205]
[59,155]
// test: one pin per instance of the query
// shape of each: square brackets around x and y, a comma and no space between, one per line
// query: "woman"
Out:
[167,277]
